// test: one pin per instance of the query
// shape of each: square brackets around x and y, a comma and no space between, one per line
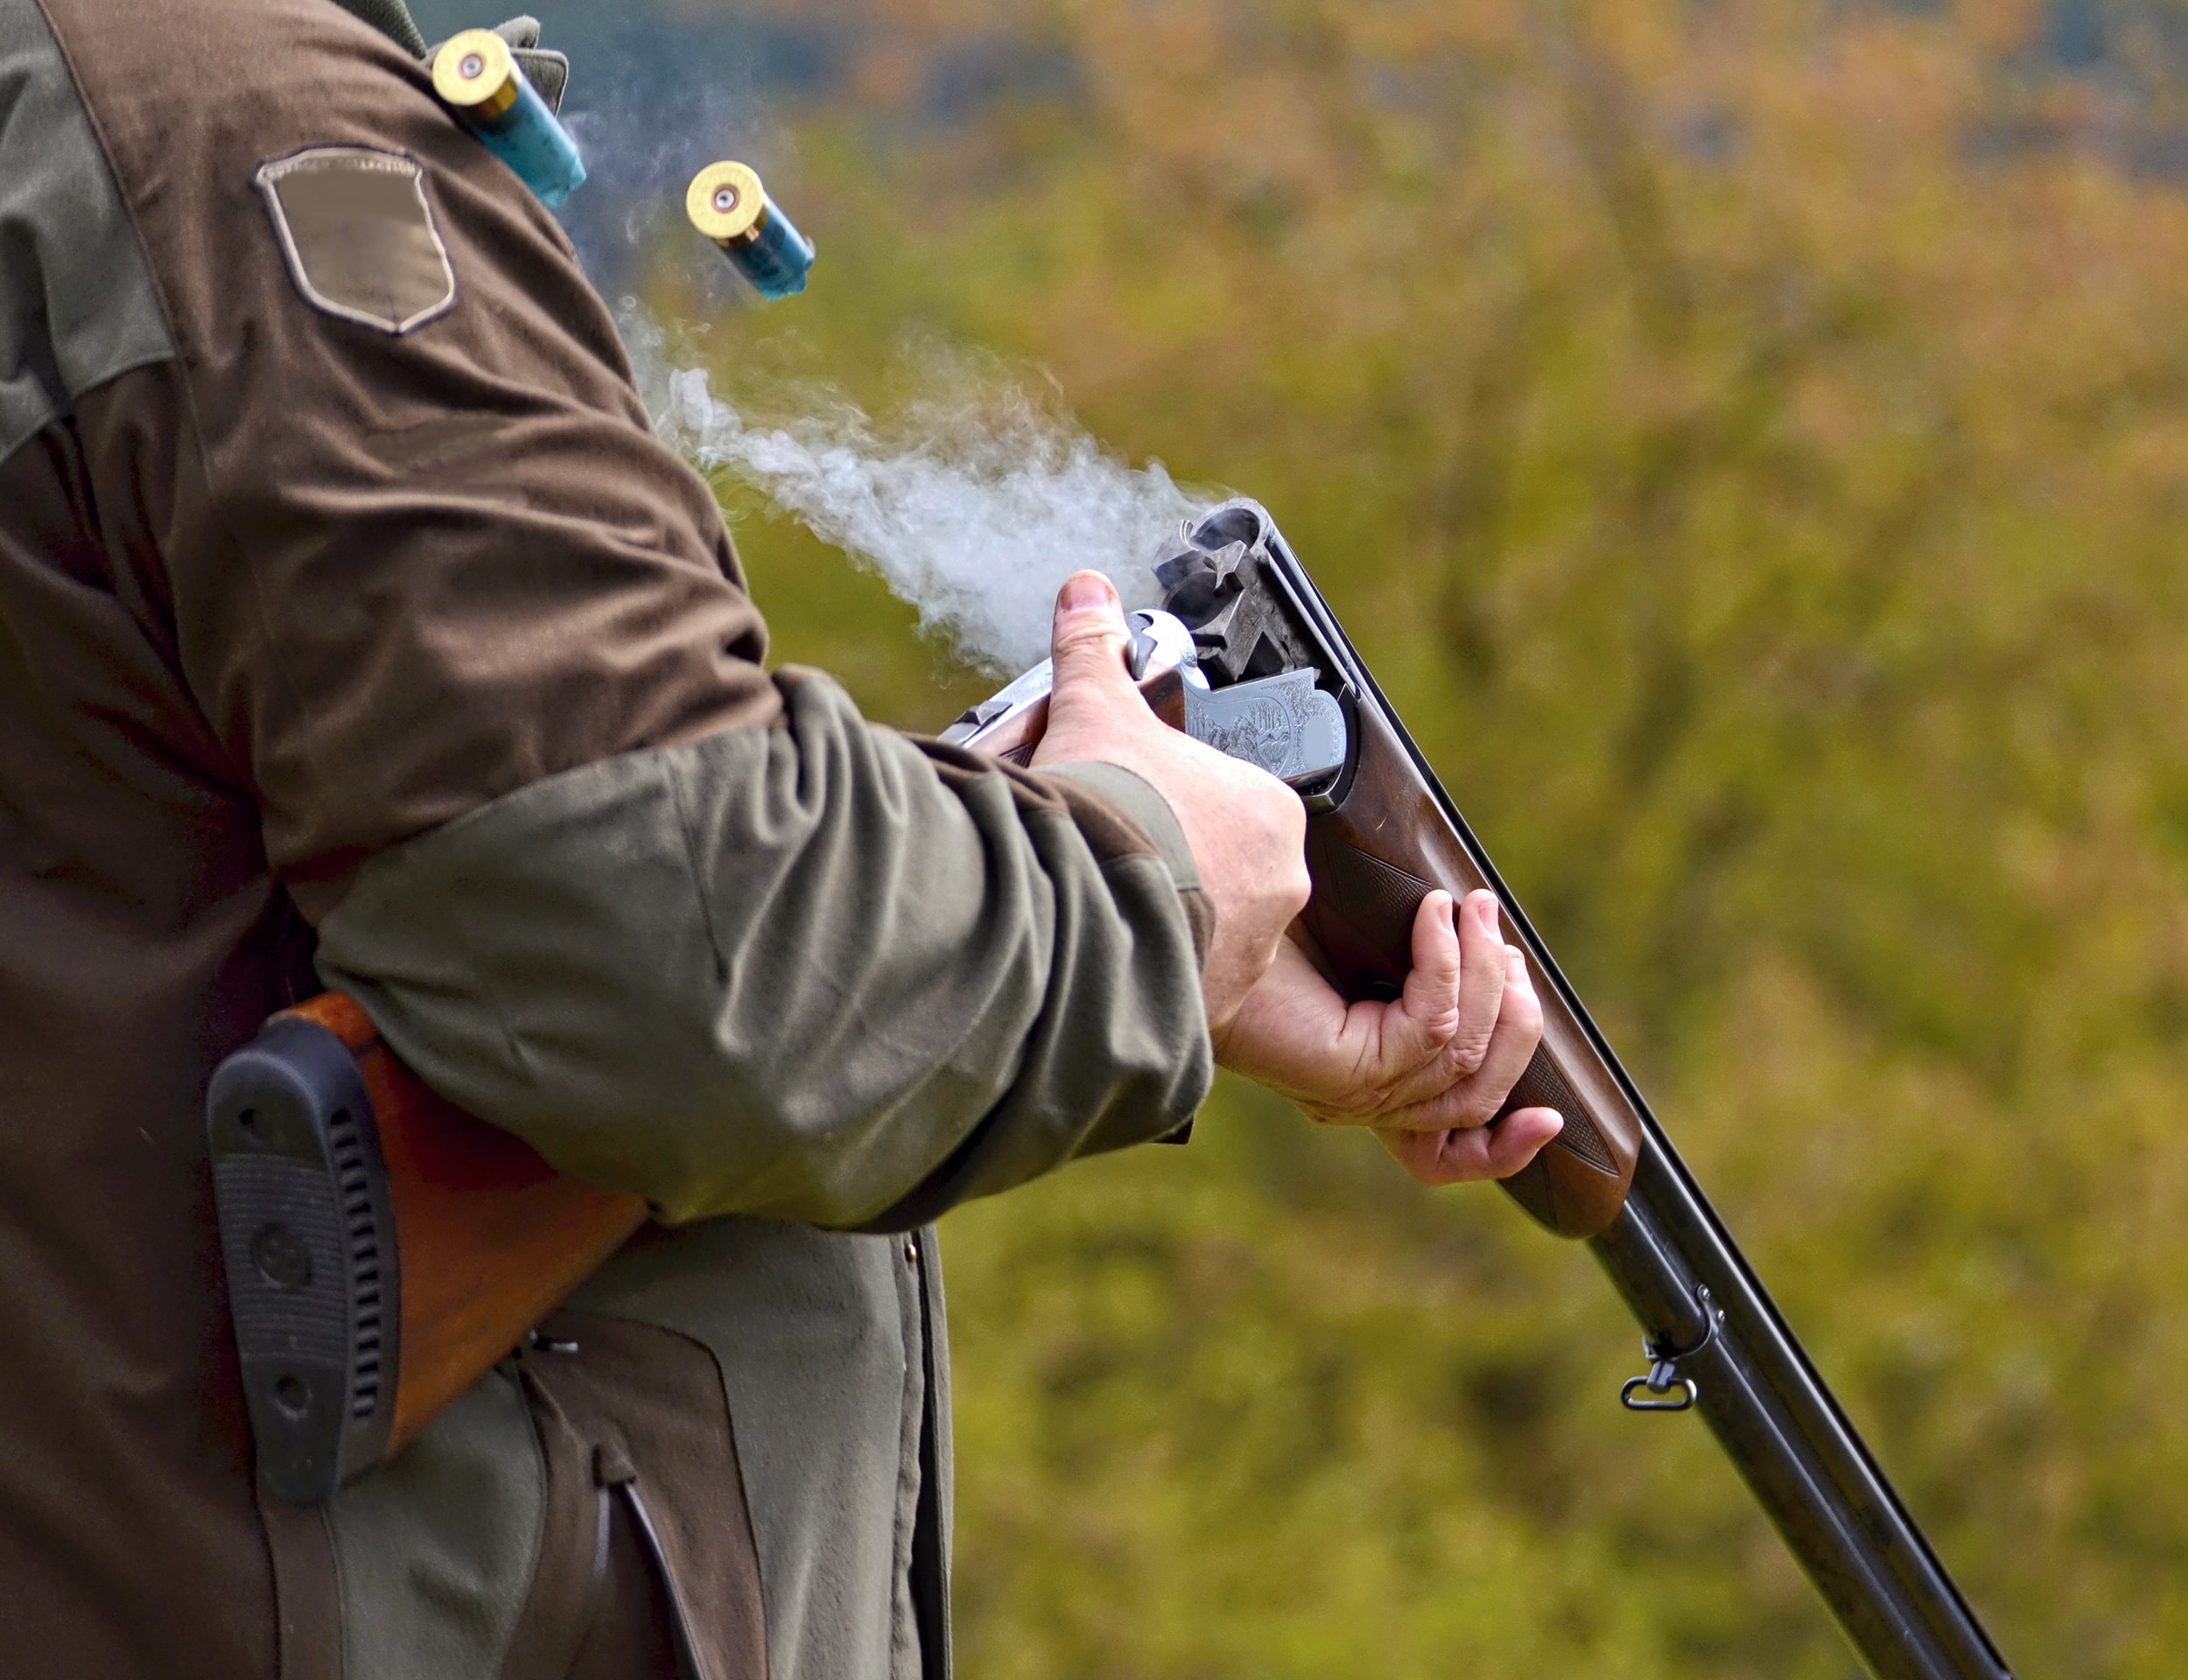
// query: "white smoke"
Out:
[973,503]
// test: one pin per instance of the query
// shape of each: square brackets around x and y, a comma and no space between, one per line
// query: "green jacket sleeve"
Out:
[473,645]
[811,972]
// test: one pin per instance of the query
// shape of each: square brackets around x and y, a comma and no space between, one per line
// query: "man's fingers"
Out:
[1477,1152]
[1482,946]
[1087,638]
[1497,1151]
[1416,1029]
[1474,1099]
[1512,1044]
[1466,996]
[1421,1042]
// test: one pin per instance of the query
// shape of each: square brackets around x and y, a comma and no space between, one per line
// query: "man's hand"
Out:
[1246,828]
[1425,1071]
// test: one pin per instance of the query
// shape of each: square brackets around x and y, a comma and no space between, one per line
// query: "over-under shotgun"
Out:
[384,1248]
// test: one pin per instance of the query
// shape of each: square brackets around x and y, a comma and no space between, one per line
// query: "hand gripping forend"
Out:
[1382,834]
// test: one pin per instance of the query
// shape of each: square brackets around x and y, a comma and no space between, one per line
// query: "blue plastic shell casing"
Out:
[726,203]
[478,78]
[777,258]
[530,139]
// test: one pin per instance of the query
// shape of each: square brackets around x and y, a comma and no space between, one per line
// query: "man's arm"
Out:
[804,971]
[475,643]
[1426,1070]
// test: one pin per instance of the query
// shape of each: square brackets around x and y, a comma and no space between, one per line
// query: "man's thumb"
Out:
[1087,638]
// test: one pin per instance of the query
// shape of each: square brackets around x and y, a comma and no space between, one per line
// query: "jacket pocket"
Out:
[645,1502]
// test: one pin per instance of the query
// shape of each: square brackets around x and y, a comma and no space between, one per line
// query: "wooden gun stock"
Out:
[383,1249]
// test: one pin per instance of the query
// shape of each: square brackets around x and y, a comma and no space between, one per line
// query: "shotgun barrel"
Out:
[1383,831]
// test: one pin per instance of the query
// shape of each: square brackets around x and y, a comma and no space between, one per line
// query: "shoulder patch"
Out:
[359,236]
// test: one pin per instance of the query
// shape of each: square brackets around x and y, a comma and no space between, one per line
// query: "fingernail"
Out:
[1485,912]
[1086,589]
[1515,964]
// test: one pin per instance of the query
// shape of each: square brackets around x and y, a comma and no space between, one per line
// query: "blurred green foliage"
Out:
[1752,444]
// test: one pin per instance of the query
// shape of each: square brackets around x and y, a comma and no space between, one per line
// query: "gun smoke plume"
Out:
[973,502]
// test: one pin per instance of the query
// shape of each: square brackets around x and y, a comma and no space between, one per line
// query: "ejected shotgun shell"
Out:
[478,78]
[728,204]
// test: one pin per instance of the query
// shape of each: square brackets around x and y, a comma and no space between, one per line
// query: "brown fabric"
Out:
[307,1595]
[142,935]
[570,1576]
[267,609]
[228,626]
[358,231]
[633,1636]
[390,616]
[648,1407]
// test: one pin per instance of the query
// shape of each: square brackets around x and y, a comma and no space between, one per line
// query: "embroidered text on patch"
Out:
[359,236]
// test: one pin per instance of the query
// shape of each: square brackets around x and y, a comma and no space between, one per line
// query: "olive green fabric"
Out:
[792,972]
[434,1554]
[1136,797]
[831,1358]
[77,305]
[392,18]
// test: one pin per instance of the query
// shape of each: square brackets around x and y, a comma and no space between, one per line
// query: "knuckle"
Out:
[1523,1009]
[1076,643]
[1478,1106]
[1509,1166]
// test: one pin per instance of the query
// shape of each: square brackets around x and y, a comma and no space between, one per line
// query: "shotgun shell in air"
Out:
[478,78]
[728,204]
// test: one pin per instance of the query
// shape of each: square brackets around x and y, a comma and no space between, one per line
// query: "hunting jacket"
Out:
[356,630]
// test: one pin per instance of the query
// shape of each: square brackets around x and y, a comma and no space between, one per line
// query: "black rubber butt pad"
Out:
[307,1240]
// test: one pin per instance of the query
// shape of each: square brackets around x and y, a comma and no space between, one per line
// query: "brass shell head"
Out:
[726,203]
[475,74]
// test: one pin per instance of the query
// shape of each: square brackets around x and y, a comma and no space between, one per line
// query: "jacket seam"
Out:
[246,771]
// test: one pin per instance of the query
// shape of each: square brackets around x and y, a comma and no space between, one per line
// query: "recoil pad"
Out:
[307,1243]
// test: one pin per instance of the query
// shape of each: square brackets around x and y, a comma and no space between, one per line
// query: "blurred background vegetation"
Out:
[1750,442]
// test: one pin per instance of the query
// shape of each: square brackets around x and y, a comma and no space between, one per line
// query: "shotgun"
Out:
[383,1249]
